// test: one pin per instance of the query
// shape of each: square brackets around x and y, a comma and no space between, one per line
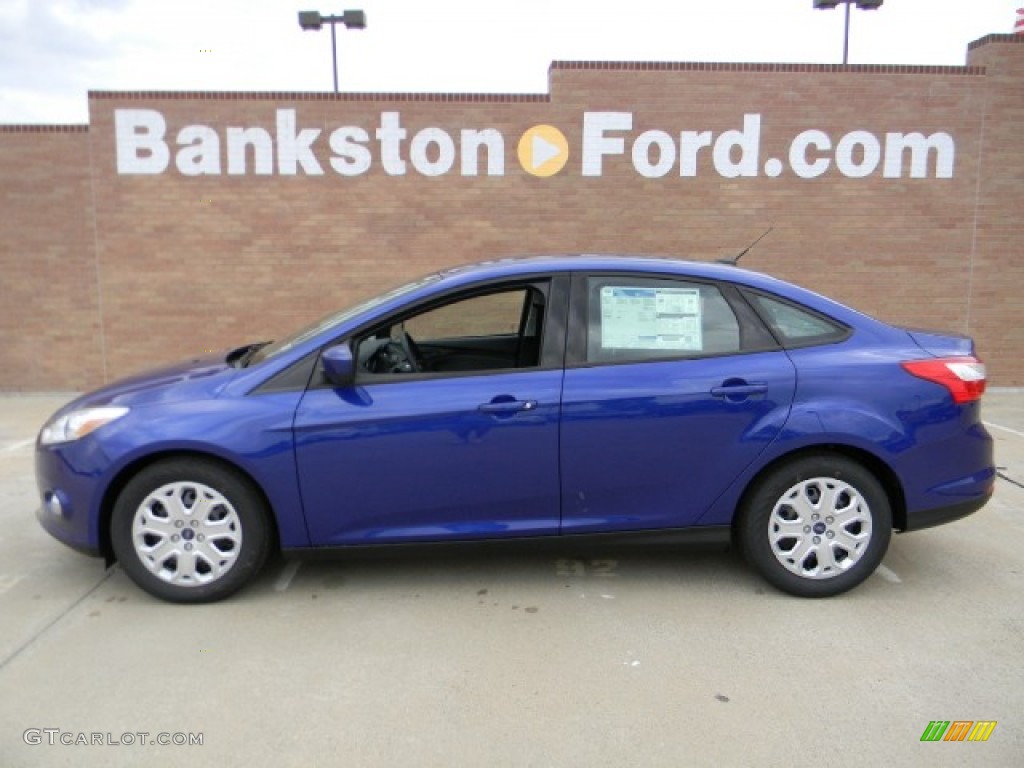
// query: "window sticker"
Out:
[650,318]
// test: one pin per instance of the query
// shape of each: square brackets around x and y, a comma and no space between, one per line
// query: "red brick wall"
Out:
[996,309]
[51,335]
[176,264]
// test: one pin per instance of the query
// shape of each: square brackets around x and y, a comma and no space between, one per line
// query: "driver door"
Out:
[460,442]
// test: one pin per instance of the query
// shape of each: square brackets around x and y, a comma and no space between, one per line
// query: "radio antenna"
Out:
[735,259]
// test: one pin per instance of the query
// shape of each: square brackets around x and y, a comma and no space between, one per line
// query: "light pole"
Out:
[312,20]
[864,5]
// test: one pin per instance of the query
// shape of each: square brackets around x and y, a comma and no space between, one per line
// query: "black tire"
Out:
[228,522]
[819,556]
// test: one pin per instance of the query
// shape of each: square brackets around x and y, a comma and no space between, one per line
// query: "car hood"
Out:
[197,378]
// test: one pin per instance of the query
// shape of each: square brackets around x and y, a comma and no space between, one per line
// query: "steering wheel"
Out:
[410,350]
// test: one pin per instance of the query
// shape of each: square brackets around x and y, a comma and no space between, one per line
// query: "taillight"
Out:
[964,377]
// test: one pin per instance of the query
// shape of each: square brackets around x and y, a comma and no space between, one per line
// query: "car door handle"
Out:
[739,389]
[508,406]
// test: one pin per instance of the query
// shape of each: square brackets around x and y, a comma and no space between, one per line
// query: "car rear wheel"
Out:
[817,526]
[189,531]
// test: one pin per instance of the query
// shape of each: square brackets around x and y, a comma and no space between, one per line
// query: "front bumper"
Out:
[60,528]
[70,473]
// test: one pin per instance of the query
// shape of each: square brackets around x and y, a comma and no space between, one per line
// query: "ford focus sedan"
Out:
[545,400]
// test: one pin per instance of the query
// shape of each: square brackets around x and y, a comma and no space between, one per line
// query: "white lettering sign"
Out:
[139,136]
[610,146]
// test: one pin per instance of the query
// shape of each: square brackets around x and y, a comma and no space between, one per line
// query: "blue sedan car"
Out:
[561,399]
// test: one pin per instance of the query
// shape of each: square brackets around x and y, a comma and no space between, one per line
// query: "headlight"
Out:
[77,424]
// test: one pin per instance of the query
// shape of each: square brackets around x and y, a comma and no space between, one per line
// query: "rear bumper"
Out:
[929,518]
[949,473]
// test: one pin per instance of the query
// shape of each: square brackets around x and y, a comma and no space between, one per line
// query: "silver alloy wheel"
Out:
[187,534]
[820,528]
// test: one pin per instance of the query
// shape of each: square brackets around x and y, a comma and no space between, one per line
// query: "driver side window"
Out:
[495,330]
[494,314]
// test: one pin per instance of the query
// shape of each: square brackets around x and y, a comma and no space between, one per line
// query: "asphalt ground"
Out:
[644,659]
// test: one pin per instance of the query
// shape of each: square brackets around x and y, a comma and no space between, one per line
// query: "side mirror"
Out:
[338,365]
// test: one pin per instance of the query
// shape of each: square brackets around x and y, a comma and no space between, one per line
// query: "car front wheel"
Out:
[817,526]
[189,531]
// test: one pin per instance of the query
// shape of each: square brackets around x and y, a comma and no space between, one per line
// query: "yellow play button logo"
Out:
[543,150]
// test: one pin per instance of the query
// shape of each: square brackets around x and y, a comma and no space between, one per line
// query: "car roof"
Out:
[664,265]
[590,262]
[587,262]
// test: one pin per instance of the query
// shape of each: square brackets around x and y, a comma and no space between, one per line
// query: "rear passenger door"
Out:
[672,388]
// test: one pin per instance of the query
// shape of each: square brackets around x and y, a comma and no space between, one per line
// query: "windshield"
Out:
[335,318]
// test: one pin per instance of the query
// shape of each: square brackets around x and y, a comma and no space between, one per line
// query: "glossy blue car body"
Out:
[563,447]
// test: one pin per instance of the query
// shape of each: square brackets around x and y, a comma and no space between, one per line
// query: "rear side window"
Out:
[796,326]
[647,319]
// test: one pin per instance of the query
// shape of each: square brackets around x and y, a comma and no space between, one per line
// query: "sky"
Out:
[52,52]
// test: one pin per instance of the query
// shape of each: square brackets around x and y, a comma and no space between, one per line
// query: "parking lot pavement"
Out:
[641,659]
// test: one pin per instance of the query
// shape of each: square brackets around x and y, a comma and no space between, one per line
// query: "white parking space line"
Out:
[17,651]
[7,581]
[285,579]
[18,444]
[888,574]
[1016,432]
